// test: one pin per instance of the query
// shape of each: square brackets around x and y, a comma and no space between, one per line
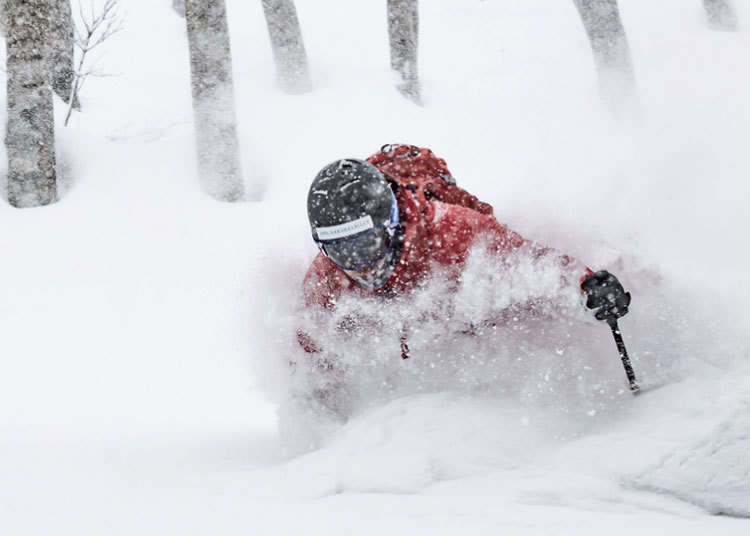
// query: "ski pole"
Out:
[634,387]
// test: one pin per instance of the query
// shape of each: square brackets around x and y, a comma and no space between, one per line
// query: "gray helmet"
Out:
[353,213]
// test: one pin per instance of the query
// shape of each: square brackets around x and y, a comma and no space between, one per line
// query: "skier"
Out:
[383,224]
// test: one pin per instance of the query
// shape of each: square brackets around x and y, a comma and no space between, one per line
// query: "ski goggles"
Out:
[365,249]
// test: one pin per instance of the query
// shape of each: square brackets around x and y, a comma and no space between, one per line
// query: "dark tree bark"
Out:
[721,14]
[30,129]
[289,54]
[213,99]
[601,19]
[60,49]
[59,46]
[403,34]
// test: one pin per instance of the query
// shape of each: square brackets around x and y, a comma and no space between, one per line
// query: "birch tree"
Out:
[721,14]
[213,99]
[59,48]
[609,44]
[403,34]
[292,71]
[30,128]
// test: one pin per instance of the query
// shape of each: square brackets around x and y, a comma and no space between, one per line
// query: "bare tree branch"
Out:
[90,31]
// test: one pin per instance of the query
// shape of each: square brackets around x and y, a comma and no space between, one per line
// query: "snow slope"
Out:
[711,472]
[146,329]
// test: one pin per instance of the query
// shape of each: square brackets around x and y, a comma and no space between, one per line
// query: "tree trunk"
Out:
[60,49]
[721,15]
[30,130]
[601,19]
[289,54]
[403,34]
[213,99]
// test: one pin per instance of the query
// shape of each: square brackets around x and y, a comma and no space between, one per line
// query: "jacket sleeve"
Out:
[456,229]
[507,240]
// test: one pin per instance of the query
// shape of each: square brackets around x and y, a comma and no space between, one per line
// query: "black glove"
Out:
[605,295]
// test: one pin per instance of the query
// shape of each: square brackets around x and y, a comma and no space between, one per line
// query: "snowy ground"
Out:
[143,324]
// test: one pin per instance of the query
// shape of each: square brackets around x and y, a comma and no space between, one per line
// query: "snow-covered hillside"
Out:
[146,330]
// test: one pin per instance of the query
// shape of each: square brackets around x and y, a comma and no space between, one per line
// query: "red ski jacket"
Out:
[436,234]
